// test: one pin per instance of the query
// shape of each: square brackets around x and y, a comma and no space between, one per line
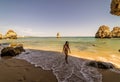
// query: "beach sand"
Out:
[109,76]
[18,70]
[15,70]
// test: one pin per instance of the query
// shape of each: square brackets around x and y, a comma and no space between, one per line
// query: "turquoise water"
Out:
[84,47]
[89,44]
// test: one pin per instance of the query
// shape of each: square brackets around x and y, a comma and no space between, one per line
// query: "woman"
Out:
[66,48]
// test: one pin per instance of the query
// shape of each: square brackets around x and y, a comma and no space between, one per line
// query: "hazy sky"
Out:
[47,17]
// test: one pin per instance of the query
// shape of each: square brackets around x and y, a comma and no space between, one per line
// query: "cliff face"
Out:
[115,7]
[103,32]
[115,33]
[11,35]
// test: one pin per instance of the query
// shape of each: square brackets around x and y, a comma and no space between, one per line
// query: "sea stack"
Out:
[58,35]
[115,33]
[11,35]
[115,7]
[103,32]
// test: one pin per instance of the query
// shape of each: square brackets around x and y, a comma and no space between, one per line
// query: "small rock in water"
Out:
[119,50]
[93,45]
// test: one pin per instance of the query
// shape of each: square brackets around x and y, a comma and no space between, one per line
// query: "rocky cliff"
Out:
[115,7]
[103,32]
[11,35]
[115,33]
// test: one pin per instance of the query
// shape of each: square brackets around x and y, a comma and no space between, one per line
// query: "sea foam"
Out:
[75,71]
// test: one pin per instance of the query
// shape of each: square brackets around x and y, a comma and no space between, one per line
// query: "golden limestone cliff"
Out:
[115,7]
[104,32]
[11,35]
[115,33]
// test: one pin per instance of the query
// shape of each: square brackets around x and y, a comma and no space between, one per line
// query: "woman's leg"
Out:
[66,58]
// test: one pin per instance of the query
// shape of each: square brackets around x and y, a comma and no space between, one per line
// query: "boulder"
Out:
[19,50]
[119,50]
[101,65]
[115,33]
[12,51]
[11,35]
[103,32]
[8,51]
[115,7]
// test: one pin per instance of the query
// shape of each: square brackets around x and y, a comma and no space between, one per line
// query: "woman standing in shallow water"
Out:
[66,48]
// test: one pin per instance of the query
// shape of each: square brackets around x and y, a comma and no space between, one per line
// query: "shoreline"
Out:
[87,55]
[15,69]
[105,75]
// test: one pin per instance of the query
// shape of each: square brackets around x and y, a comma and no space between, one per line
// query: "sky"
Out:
[47,17]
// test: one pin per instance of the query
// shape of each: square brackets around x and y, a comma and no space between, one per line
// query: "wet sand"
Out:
[15,70]
[109,76]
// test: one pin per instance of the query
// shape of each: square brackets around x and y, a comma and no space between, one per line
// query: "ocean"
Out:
[89,44]
[85,47]
[88,47]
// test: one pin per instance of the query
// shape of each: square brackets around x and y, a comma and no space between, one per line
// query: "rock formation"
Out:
[103,32]
[11,35]
[12,51]
[58,35]
[119,50]
[115,7]
[8,51]
[101,65]
[115,33]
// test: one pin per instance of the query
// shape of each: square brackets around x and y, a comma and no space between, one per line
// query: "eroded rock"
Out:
[115,7]
[12,51]
[101,65]
[115,33]
[103,32]
[11,35]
